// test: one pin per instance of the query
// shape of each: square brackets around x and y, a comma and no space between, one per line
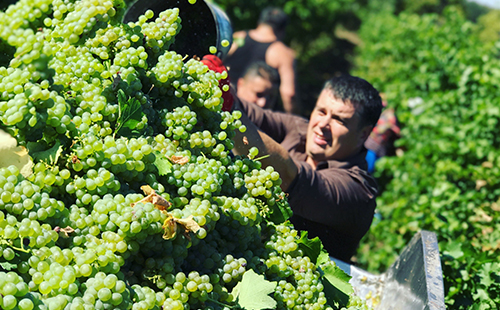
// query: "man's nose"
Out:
[324,122]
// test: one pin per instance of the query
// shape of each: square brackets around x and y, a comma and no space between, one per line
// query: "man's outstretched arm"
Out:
[276,155]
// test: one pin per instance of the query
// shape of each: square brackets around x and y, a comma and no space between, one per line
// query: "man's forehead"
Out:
[348,105]
[332,98]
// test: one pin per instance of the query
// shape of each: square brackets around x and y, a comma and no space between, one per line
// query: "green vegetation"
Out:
[447,178]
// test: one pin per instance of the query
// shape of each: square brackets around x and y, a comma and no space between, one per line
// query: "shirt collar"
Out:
[356,160]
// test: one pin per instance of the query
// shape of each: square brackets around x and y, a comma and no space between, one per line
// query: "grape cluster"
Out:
[283,262]
[135,200]
[16,293]
[233,268]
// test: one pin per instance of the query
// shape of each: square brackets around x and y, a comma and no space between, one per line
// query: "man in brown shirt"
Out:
[322,161]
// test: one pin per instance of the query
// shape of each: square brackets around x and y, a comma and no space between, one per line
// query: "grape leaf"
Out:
[129,115]
[313,248]
[162,163]
[7,266]
[280,212]
[252,293]
[484,273]
[336,285]
[49,156]
[454,249]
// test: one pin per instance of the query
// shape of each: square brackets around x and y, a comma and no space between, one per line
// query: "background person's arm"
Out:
[283,58]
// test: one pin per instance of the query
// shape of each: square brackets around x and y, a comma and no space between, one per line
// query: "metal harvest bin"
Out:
[413,282]
[204,24]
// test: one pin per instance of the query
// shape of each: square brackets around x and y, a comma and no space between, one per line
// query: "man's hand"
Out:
[277,156]
[214,63]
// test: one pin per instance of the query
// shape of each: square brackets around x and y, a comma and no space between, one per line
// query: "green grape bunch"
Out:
[129,141]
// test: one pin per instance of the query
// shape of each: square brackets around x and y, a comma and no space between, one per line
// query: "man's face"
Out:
[333,131]
[257,90]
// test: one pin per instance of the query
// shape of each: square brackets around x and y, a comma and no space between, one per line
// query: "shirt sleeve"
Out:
[275,124]
[340,198]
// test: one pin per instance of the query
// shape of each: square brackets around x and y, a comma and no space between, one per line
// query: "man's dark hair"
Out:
[263,70]
[274,17]
[360,92]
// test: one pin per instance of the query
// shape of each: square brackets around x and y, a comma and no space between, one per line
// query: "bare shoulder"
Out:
[278,53]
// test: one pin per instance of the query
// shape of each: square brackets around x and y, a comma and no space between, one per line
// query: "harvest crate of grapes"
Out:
[118,189]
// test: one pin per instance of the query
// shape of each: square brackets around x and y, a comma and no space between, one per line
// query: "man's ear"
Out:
[364,134]
[240,82]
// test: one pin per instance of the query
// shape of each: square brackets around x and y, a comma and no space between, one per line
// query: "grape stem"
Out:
[9,243]
[262,157]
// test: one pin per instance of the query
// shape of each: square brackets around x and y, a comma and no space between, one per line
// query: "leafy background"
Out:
[444,56]
[438,64]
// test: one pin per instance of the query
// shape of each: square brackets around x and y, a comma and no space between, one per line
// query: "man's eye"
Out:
[339,120]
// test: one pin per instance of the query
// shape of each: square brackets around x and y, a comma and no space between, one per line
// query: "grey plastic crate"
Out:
[413,282]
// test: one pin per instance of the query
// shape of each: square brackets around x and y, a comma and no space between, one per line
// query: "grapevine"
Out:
[134,200]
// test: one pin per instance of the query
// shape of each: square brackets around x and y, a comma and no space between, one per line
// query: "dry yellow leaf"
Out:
[189,223]
[22,151]
[487,164]
[495,206]
[148,190]
[159,202]
[181,160]
[170,226]
[480,183]
[14,155]
[64,232]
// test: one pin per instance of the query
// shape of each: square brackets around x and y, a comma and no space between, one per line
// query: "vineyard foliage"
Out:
[444,84]
[134,200]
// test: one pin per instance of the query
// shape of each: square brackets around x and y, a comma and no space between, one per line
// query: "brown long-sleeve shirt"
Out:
[335,201]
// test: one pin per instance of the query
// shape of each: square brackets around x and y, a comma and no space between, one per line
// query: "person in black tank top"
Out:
[264,44]
[251,51]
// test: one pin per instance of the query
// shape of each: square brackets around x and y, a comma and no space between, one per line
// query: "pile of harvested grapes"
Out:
[133,199]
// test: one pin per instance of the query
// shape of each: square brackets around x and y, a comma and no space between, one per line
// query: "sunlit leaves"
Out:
[447,178]
[252,293]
